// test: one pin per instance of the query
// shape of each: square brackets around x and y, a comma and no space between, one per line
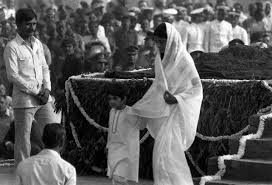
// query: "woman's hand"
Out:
[169,98]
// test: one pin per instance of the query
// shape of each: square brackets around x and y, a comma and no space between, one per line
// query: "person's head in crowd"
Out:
[238,7]
[62,14]
[181,14]
[51,14]
[147,13]
[3,104]
[221,3]
[26,21]
[117,96]
[84,5]
[6,29]
[260,6]
[142,4]
[208,13]
[160,4]
[157,20]
[93,27]
[234,18]
[126,21]
[169,15]
[267,8]
[259,13]
[236,42]
[69,29]
[54,136]
[222,12]
[197,15]
[92,16]
[149,40]
[95,57]
[132,53]
[3,89]
[69,46]
[189,7]
[133,20]
[145,25]
[252,9]
[10,4]
[61,28]
[107,22]
[136,10]
[172,5]
[98,8]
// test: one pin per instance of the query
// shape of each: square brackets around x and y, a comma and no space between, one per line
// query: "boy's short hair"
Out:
[53,135]
[24,15]
[117,90]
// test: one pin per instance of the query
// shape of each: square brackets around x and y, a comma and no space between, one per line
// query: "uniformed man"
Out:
[238,31]
[95,57]
[195,32]
[219,32]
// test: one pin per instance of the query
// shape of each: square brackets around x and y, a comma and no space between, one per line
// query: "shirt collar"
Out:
[50,152]
[20,40]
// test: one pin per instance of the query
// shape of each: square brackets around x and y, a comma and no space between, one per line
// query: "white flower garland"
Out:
[7,162]
[218,138]
[240,153]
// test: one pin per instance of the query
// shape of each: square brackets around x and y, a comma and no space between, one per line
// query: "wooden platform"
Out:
[8,178]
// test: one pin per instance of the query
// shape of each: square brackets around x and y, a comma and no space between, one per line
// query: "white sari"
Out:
[172,126]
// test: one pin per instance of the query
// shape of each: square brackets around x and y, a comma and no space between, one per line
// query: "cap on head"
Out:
[96,49]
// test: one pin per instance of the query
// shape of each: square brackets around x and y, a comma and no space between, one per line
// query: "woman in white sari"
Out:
[171,108]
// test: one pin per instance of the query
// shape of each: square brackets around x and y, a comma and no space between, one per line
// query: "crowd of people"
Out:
[99,36]
[44,47]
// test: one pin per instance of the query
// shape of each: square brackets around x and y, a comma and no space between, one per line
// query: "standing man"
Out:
[219,32]
[195,32]
[238,31]
[28,71]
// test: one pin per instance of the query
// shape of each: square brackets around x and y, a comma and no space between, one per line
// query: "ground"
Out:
[8,178]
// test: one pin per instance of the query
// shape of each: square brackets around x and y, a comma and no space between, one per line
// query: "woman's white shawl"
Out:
[172,126]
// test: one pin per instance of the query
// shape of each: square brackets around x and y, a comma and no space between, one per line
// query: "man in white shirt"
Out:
[28,71]
[195,32]
[47,167]
[238,31]
[180,24]
[219,32]
[95,36]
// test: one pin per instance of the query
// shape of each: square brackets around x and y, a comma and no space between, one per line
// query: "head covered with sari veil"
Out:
[174,72]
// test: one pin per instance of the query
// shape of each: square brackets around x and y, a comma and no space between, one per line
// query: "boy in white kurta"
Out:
[123,140]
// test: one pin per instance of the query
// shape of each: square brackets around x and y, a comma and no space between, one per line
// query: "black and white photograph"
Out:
[135,92]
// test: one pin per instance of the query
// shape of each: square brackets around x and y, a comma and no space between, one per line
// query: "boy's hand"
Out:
[169,98]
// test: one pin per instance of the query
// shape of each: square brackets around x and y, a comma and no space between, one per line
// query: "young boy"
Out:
[123,139]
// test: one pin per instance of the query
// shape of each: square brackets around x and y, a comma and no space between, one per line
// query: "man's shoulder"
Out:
[12,43]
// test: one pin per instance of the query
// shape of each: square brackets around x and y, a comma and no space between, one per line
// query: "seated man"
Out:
[7,145]
[3,92]
[47,167]
[6,117]
[95,57]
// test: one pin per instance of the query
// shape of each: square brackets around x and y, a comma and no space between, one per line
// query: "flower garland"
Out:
[240,153]
[218,138]
[7,163]
[190,157]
